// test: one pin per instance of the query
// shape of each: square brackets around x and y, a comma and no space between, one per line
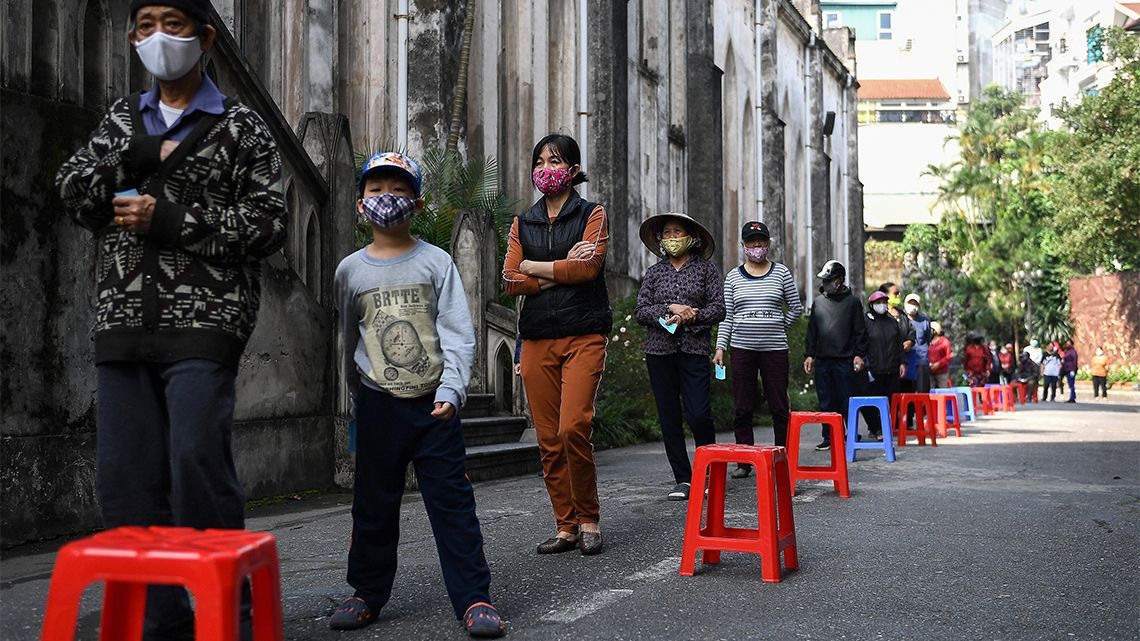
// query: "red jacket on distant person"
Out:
[940,354]
[977,360]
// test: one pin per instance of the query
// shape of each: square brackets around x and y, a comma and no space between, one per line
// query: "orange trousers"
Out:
[561,377]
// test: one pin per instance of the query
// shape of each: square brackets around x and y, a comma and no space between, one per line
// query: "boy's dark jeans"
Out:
[834,379]
[1100,386]
[1050,392]
[390,433]
[681,381]
[163,458]
[772,367]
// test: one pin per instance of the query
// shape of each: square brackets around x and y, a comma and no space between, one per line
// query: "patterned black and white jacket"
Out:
[189,287]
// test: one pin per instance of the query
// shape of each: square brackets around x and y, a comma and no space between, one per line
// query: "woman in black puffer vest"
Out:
[556,254]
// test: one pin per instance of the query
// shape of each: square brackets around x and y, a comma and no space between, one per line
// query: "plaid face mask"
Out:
[388,210]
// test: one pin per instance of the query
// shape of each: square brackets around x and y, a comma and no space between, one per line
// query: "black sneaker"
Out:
[680,492]
[878,436]
[823,447]
[353,614]
[741,471]
[482,621]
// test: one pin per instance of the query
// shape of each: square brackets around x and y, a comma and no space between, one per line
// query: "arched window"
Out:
[505,377]
[96,59]
[313,254]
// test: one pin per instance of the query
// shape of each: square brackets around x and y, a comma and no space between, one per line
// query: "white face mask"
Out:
[879,308]
[910,309]
[169,57]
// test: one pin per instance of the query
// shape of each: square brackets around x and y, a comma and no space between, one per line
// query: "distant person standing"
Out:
[761,303]
[941,351]
[1051,368]
[1100,373]
[922,335]
[994,376]
[1005,357]
[1027,373]
[976,362]
[836,343]
[884,357]
[1035,352]
[1069,369]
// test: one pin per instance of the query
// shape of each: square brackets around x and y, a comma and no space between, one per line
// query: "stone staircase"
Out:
[493,446]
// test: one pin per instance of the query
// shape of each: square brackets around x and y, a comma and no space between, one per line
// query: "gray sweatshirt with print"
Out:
[407,330]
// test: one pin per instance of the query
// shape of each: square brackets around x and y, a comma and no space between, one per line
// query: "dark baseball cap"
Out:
[755,229]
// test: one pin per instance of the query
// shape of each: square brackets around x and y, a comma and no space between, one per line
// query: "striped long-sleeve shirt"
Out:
[759,309]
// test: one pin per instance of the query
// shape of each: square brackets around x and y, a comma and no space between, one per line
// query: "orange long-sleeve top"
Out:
[567,271]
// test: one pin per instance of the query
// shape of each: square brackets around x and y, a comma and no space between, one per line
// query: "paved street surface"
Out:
[1024,528]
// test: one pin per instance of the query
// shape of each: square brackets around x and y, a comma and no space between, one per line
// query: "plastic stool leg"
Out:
[714,517]
[766,503]
[693,516]
[62,610]
[267,616]
[786,525]
[842,484]
[124,605]
[216,614]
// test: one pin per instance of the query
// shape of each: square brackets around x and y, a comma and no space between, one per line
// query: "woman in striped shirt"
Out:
[761,302]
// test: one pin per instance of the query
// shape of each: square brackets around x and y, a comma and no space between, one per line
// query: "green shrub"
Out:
[626,412]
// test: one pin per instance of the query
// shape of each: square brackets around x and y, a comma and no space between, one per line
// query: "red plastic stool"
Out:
[1020,394]
[942,417]
[983,400]
[210,563]
[1007,400]
[837,471]
[771,537]
[924,410]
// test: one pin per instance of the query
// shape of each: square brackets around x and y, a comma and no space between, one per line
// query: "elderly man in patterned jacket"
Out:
[180,186]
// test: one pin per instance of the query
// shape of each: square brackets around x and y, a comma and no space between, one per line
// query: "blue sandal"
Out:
[353,614]
[483,621]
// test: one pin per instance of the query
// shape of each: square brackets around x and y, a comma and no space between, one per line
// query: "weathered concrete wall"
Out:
[47,380]
[283,439]
[1105,314]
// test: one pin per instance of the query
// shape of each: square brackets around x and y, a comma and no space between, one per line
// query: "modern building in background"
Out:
[921,62]
[1076,67]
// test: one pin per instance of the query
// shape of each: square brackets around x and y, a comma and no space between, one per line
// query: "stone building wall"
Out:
[64,61]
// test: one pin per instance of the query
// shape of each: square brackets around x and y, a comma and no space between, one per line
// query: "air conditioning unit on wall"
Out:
[961,57]
[962,99]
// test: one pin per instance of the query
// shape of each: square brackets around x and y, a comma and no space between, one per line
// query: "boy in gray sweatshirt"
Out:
[409,348]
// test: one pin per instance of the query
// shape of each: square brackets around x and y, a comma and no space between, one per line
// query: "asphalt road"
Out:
[1024,528]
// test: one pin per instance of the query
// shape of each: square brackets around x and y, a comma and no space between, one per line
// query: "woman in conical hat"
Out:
[680,301]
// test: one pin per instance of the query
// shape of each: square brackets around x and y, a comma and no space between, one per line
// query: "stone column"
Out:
[820,167]
[704,123]
[775,159]
[474,246]
[608,106]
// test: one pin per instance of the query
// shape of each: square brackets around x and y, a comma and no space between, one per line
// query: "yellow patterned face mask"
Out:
[677,247]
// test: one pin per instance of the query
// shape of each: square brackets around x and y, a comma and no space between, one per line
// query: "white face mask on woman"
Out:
[879,308]
[910,309]
[169,57]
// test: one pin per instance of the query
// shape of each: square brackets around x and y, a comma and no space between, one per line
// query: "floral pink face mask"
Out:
[552,180]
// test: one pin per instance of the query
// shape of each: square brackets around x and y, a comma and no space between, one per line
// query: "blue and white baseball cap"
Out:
[393,161]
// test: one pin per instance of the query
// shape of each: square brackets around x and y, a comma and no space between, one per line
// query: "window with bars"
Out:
[1095,38]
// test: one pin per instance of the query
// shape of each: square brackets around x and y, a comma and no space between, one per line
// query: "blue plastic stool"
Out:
[967,408]
[950,391]
[880,403]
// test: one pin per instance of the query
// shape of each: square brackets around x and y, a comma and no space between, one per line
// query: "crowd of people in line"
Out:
[180,187]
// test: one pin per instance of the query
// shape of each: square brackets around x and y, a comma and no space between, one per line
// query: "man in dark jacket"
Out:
[884,365]
[836,342]
[181,187]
